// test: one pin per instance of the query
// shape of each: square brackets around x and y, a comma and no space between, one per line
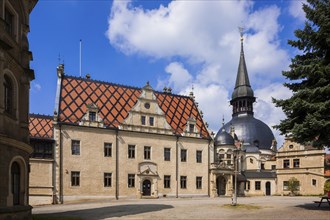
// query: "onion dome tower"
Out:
[253,133]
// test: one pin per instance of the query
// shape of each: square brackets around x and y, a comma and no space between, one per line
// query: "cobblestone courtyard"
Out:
[273,207]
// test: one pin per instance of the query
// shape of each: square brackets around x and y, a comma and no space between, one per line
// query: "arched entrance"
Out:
[221,186]
[268,189]
[146,185]
[15,182]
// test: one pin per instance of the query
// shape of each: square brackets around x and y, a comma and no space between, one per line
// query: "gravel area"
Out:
[271,207]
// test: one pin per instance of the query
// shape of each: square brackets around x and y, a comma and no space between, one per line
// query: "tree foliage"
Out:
[327,186]
[308,110]
[293,185]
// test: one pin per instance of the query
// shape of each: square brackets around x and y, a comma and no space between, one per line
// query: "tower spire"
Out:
[242,96]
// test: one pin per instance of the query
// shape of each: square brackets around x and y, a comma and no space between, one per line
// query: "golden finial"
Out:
[241,31]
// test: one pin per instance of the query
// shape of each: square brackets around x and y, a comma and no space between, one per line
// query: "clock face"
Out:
[147,105]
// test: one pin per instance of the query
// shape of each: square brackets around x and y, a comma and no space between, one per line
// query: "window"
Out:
[131,180]
[251,160]
[151,121]
[92,116]
[15,182]
[167,154]
[257,185]
[273,167]
[131,151]
[198,182]
[167,181]
[9,22]
[107,179]
[262,166]
[314,182]
[286,163]
[8,93]
[75,147]
[247,185]
[228,156]
[42,149]
[147,105]
[285,185]
[183,155]
[198,156]
[75,178]
[183,182]
[147,151]
[296,162]
[143,120]
[107,149]
[191,128]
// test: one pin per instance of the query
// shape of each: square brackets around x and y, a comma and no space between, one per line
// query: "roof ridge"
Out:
[40,115]
[123,85]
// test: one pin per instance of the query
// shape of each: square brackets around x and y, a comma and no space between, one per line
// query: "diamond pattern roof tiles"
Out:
[41,126]
[115,101]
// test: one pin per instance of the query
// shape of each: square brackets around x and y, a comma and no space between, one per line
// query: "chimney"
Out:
[88,76]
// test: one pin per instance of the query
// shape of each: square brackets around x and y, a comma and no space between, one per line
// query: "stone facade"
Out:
[15,77]
[305,163]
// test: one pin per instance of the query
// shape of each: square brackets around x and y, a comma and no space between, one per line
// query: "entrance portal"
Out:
[268,189]
[146,188]
[221,186]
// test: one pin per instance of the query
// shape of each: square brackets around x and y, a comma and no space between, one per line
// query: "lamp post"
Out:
[234,198]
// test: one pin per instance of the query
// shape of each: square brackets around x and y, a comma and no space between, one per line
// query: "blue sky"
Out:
[174,44]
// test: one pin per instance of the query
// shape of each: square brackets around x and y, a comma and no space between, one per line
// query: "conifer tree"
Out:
[308,110]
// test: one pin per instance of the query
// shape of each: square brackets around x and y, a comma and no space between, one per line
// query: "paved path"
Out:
[272,207]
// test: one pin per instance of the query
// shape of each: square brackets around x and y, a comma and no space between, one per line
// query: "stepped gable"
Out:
[40,126]
[115,101]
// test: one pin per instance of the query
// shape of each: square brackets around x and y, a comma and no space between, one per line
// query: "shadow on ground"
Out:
[313,206]
[110,211]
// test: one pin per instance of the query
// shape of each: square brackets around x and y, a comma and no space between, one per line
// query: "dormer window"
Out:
[143,120]
[151,121]
[92,116]
[191,128]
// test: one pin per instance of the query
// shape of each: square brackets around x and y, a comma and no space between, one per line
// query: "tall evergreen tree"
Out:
[308,110]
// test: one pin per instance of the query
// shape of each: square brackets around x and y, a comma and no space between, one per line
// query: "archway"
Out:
[221,186]
[15,182]
[268,189]
[146,185]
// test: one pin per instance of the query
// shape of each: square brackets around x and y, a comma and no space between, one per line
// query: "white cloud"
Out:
[180,77]
[35,87]
[205,34]
[295,9]
[266,111]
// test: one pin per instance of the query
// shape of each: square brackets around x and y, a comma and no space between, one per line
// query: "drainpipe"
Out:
[61,166]
[177,167]
[117,166]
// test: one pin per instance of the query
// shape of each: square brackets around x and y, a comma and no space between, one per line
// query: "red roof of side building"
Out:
[41,126]
[115,101]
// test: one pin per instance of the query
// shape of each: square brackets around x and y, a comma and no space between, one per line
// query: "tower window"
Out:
[9,22]
[8,93]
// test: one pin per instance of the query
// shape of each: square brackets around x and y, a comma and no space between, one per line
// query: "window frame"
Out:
[199,182]
[75,178]
[131,151]
[285,185]
[143,120]
[286,164]
[107,149]
[147,152]
[167,154]
[167,181]
[183,182]
[151,121]
[183,155]
[296,163]
[131,180]
[199,155]
[191,128]
[92,116]
[107,179]
[257,185]
[75,149]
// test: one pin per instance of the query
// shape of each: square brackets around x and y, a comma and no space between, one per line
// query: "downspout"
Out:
[117,167]
[177,167]
[61,165]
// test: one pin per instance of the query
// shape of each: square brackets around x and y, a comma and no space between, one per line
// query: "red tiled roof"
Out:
[115,101]
[41,126]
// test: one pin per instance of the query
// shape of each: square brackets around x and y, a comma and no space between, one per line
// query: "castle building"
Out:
[114,141]
[15,77]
